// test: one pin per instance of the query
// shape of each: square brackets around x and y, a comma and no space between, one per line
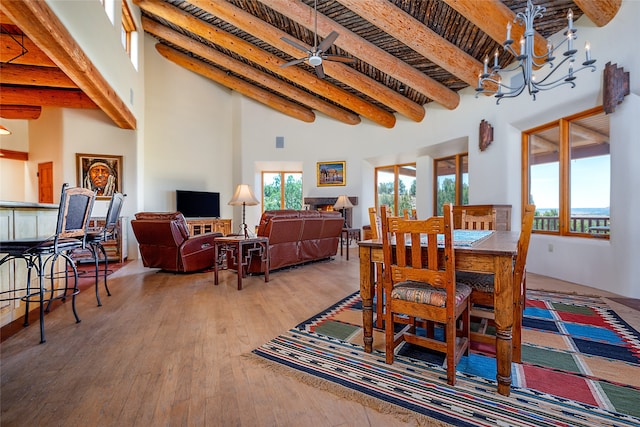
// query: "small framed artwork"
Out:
[332,173]
[100,172]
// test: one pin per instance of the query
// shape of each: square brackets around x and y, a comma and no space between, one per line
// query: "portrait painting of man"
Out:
[101,173]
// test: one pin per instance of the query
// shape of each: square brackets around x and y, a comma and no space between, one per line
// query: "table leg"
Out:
[266,258]
[216,260]
[366,293]
[240,258]
[503,303]
[348,243]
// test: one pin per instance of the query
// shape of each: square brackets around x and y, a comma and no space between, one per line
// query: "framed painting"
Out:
[332,173]
[100,172]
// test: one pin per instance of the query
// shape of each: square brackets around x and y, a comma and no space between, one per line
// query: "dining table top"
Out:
[496,243]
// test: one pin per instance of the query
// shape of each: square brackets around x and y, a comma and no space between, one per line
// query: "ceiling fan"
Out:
[317,54]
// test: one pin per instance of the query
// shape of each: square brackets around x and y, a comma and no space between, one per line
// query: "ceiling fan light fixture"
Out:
[315,60]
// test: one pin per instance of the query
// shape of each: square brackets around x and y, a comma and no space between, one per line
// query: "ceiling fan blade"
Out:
[327,42]
[337,58]
[296,45]
[320,71]
[294,62]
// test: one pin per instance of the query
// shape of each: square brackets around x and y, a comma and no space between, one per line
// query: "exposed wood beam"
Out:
[66,98]
[268,61]
[11,50]
[20,112]
[247,89]
[592,136]
[272,35]
[247,71]
[30,75]
[368,52]
[599,11]
[418,37]
[492,17]
[44,28]
[14,155]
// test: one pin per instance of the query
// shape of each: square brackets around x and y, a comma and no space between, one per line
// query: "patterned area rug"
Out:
[580,368]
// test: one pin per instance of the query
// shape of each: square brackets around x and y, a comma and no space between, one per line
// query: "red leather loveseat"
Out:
[165,243]
[296,237]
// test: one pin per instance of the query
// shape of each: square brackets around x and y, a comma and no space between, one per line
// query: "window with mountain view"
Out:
[568,175]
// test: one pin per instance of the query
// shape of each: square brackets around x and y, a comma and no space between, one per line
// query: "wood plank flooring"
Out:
[170,349]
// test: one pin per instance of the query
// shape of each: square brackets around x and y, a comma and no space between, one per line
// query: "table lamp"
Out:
[244,196]
[343,203]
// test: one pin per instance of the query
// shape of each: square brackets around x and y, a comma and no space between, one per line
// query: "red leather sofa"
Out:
[296,237]
[165,243]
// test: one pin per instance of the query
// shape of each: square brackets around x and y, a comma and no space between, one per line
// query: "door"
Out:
[45,182]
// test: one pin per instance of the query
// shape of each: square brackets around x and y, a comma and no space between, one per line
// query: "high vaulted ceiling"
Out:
[407,53]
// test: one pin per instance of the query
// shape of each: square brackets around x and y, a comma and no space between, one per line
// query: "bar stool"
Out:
[73,217]
[95,239]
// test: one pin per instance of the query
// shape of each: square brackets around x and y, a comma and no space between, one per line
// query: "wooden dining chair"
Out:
[409,214]
[376,232]
[478,222]
[483,288]
[424,291]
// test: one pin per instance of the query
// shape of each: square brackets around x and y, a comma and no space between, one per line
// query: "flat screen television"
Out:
[198,204]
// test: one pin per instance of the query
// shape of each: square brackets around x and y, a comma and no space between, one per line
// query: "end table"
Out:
[242,249]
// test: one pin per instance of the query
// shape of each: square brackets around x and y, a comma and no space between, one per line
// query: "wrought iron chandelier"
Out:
[490,80]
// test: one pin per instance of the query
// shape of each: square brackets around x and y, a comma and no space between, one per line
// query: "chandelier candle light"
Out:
[490,80]
[244,197]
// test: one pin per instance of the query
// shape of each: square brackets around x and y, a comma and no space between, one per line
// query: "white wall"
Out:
[188,134]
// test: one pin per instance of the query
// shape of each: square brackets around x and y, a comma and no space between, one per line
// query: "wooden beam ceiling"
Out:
[264,79]
[601,12]
[418,37]
[409,52]
[44,29]
[341,72]
[492,17]
[267,60]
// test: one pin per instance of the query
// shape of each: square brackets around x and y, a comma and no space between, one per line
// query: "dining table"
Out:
[494,252]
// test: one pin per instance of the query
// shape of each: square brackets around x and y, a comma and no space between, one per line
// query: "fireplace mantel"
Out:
[326,203]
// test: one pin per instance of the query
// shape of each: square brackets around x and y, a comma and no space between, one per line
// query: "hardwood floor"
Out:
[171,350]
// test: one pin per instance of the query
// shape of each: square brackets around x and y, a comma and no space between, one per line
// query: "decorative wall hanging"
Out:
[100,172]
[615,86]
[486,135]
[332,173]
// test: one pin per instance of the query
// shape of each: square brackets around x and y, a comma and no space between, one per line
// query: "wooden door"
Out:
[45,182]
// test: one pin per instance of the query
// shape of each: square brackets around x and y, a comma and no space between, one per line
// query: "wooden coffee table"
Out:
[242,250]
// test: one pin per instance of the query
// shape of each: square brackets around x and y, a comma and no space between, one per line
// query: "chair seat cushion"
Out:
[424,293]
[479,281]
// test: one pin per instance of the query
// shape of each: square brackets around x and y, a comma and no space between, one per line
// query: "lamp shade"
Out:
[243,196]
[343,202]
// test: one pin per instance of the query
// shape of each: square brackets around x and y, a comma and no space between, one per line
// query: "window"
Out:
[396,187]
[451,181]
[567,175]
[128,27]
[281,190]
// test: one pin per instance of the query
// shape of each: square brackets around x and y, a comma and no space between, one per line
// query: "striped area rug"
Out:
[580,368]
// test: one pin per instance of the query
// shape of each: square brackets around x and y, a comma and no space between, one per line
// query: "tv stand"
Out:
[208,225]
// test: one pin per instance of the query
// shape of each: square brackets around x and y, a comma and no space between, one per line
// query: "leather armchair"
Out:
[164,242]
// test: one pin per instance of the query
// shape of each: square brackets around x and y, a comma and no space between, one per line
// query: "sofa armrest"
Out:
[199,242]
[198,252]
